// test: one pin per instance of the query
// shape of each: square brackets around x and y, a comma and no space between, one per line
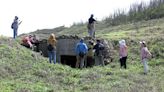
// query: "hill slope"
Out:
[22,70]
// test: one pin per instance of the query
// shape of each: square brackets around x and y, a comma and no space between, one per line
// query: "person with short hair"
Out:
[52,48]
[81,51]
[91,26]
[123,53]
[99,47]
[15,25]
[145,54]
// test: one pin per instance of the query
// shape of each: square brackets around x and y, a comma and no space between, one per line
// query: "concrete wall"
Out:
[66,46]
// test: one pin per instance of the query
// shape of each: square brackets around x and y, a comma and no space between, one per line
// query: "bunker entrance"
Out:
[68,60]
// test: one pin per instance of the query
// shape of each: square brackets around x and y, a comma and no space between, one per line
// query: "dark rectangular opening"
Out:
[68,60]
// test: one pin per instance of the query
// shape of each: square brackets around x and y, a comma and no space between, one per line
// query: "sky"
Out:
[48,14]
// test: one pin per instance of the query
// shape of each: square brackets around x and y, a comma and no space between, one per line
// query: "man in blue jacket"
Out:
[81,51]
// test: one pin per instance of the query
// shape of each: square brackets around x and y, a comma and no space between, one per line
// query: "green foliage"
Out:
[137,12]
[22,70]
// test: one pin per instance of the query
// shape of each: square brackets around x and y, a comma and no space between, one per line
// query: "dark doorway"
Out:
[68,60]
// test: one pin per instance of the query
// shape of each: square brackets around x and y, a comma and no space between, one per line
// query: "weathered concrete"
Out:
[66,47]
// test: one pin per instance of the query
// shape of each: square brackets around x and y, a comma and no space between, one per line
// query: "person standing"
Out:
[81,51]
[99,47]
[90,54]
[15,25]
[145,54]
[52,48]
[123,53]
[91,26]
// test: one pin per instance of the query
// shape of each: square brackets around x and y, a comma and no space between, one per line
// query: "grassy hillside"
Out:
[22,70]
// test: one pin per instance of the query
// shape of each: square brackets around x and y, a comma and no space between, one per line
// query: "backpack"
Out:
[50,47]
[12,25]
[81,54]
[100,48]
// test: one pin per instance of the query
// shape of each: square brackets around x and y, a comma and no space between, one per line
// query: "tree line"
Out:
[153,9]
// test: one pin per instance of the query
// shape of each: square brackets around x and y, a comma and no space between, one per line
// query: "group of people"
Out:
[31,41]
[86,54]
[123,49]
[89,54]
[92,54]
[144,52]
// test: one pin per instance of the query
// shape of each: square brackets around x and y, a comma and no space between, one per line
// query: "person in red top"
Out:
[29,41]
[26,41]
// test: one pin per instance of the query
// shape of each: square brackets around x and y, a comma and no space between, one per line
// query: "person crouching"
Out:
[27,41]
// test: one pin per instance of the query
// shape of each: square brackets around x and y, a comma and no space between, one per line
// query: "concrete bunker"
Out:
[68,60]
[66,49]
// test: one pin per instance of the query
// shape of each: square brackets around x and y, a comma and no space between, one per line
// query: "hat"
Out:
[82,39]
[142,42]
[122,42]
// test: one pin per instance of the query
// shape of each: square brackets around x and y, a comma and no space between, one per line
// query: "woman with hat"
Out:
[145,54]
[123,53]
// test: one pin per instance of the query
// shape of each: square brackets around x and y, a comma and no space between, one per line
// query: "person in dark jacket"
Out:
[91,26]
[99,47]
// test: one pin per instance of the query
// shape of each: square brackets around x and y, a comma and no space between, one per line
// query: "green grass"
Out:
[22,70]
